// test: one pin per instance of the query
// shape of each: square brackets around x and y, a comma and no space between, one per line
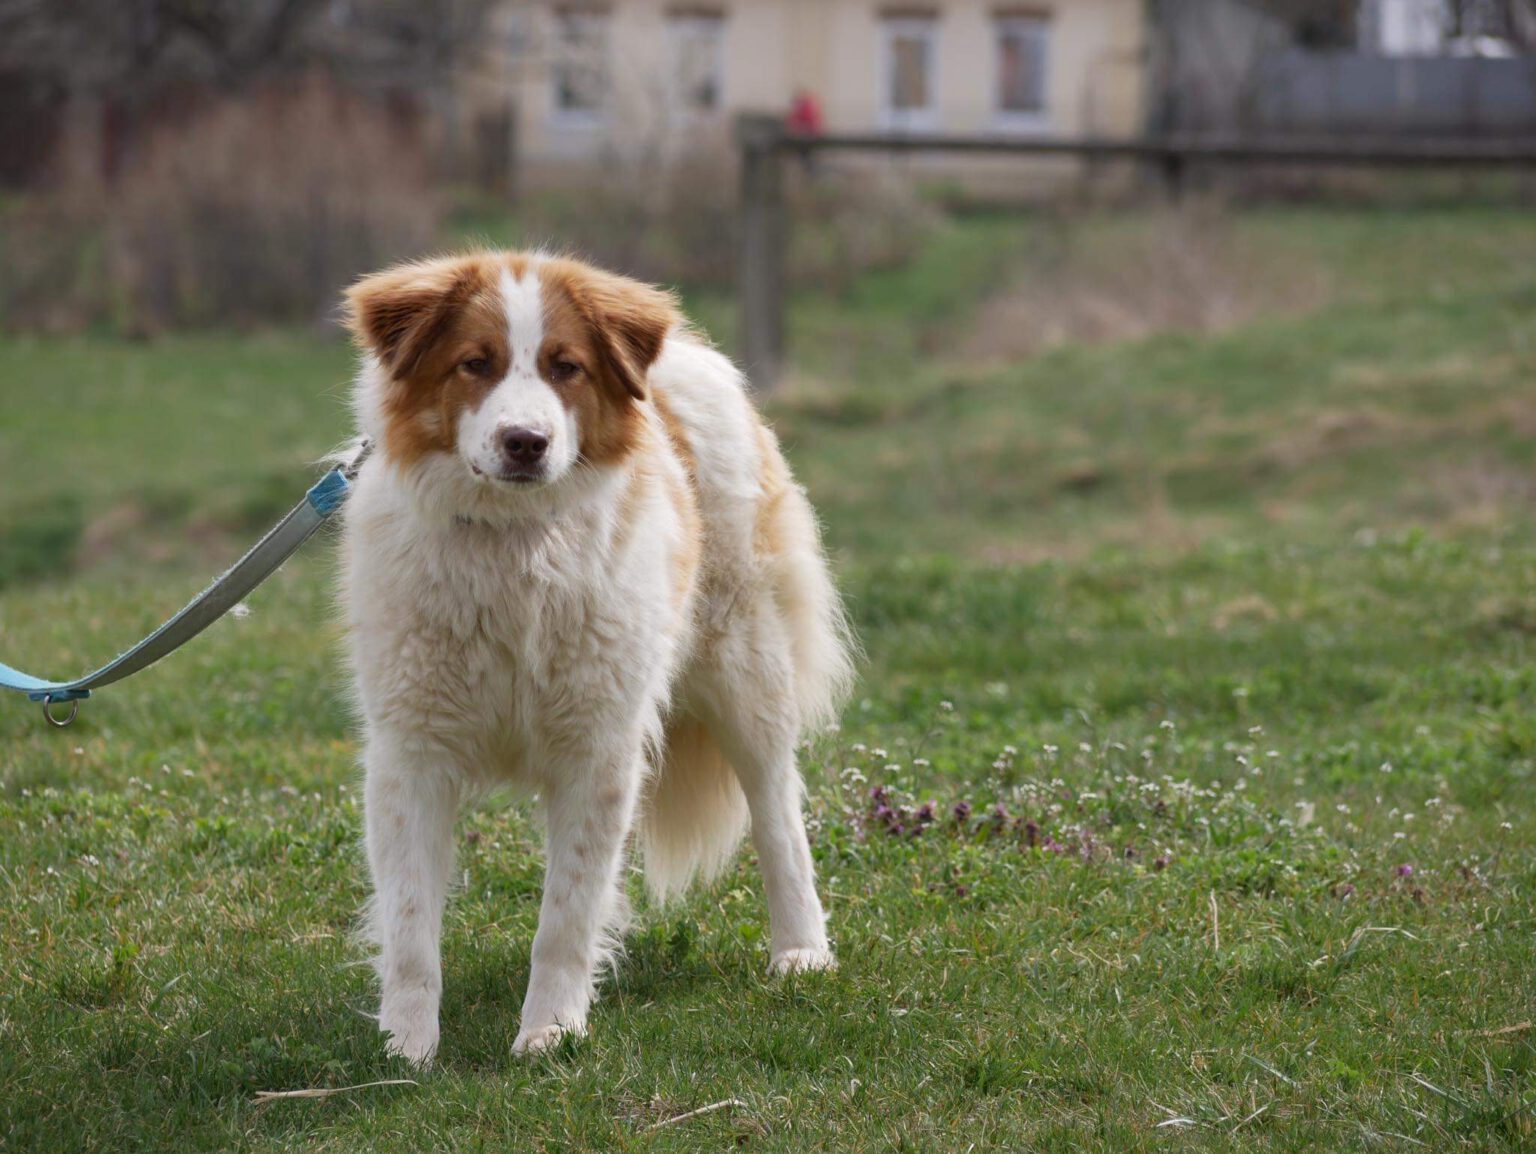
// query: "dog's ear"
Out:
[399,313]
[629,320]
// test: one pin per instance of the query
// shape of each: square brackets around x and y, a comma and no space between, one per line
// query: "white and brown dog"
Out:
[577,563]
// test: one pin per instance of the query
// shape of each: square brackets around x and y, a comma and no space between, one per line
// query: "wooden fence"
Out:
[765,145]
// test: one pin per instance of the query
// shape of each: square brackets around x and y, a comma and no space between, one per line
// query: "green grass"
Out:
[1234,629]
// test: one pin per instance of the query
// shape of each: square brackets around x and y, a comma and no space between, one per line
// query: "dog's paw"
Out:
[410,1029]
[415,1042]
[803,961]
[531,1043]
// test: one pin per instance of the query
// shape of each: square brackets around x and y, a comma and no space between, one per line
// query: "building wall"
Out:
[833,48]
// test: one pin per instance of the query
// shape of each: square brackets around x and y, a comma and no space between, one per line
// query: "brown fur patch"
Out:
[612,328]
[424,322]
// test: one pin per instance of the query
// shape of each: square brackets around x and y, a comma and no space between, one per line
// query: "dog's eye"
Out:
[563,370]
[476,366]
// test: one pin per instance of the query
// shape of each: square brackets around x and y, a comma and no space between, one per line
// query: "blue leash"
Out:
[264,558]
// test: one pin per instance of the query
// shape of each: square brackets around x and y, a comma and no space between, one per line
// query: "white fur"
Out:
[523,399]
[540,637]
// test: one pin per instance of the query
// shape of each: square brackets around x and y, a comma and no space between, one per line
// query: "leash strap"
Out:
[264,559]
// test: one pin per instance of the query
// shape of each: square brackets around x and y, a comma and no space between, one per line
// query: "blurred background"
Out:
[187,185]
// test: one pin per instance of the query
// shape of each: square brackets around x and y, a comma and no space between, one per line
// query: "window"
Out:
[910,58]
[697,60]
[1022,47]
[581,62]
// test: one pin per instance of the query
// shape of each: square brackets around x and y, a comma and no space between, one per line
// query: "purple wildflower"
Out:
[1032,832]
[962,812]
[1405,871]
[1161,863]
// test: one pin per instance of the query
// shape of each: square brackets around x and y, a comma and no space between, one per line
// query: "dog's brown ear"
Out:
[630,320]
[399,313]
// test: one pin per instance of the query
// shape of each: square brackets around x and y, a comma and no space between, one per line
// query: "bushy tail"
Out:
[822,641]
[695,813]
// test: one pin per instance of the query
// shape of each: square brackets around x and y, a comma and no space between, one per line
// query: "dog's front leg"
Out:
[410,802]
[590,805]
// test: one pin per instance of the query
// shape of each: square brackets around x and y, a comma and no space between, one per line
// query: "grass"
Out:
[1235,682]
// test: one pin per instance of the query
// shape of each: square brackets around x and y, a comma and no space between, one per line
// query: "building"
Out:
[1442,68]
[579,81]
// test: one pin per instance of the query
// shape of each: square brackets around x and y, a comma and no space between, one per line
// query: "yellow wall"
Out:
[833,47]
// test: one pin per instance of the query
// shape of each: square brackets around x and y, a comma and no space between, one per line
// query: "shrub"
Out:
[673,219]
[259,210]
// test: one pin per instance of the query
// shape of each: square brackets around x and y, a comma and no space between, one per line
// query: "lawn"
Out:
[1187,800]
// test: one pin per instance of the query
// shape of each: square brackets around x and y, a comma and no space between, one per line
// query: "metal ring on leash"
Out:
[57,723]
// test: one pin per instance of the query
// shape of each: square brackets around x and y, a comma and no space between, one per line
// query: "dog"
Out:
[576,562]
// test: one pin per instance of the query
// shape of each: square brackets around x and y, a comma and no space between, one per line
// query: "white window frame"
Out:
[893,28]
[1012,119]
[678,26]
[575,118]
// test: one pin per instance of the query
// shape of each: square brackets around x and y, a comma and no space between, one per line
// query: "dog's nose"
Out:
[523,447]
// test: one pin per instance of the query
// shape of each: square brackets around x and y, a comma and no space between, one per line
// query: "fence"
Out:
[764,144]
[1318,93]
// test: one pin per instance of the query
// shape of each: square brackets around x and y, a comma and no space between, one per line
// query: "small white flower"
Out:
[240,610]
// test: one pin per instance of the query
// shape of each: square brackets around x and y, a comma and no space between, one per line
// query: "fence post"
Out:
[760,271]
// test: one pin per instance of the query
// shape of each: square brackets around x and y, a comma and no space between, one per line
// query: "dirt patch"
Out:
[1179,271]
[1329,433]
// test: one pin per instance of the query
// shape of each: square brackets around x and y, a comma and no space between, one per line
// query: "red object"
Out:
[805,115]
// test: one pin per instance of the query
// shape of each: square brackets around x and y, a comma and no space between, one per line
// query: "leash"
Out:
[265,557]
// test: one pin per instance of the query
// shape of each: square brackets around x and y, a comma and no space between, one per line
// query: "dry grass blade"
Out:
[1517,1028]
[723,1104]
[327,1091]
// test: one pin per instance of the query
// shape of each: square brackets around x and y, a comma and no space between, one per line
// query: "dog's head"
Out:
[522,368]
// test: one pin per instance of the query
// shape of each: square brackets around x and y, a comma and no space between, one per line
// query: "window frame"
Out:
[1038,25]
[578,117]
[679,23]
[893,28]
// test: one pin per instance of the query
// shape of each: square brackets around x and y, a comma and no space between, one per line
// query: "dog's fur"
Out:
[639,624]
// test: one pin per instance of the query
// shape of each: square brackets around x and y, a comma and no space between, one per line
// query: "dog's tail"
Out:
[822,643]
[695,813]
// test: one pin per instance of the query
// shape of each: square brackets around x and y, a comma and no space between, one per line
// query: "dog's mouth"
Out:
[508,476]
